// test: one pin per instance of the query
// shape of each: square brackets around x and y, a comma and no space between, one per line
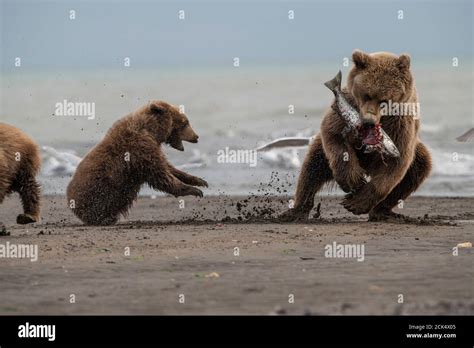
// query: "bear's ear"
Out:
[403,62]
[157,108]
[360,59]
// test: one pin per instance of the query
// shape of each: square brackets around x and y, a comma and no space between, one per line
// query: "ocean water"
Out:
[235,108]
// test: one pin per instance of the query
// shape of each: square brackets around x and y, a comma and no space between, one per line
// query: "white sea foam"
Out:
[453,164]
[281,158]
[58,163]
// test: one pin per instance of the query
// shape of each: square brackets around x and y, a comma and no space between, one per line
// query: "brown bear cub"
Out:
[20,163]
[108,179]
[375,80]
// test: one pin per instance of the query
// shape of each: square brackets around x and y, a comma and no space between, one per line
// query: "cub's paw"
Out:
[293,215]
[24,219]
[192,191]
[357,203]
[200,182]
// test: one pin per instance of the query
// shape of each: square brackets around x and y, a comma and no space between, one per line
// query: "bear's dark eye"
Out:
[366,97]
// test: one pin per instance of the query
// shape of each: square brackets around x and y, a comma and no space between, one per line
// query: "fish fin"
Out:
[335,84]
[285,143]
[466,137]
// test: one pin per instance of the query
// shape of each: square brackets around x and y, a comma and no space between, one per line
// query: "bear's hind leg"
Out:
[315,172]
[415,175]
[96,217]
[29,191]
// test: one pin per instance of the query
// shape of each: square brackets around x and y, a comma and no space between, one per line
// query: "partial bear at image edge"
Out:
[20,163]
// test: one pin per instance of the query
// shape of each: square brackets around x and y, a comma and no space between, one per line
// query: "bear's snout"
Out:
[189,135]
[368,123]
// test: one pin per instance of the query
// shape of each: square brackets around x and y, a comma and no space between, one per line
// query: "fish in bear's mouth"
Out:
[371,135]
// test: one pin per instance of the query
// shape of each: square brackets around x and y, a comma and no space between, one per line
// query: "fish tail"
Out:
[335,84]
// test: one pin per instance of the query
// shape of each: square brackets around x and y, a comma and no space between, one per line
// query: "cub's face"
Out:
[177,125]
[181,131]
[378,78]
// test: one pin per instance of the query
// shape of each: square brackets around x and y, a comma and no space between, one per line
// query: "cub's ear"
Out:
[403,62]
[360,59]
[157,107]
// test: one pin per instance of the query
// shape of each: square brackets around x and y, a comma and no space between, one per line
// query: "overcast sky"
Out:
[258,32]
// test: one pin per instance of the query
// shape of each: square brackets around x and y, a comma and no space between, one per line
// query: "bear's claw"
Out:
[201,182]
[194,192]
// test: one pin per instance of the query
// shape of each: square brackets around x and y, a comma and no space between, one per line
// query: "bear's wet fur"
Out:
[108,179]
[375,78]
[20,163]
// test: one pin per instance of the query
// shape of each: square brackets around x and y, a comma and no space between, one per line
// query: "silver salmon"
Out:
[380,142]
[350,115]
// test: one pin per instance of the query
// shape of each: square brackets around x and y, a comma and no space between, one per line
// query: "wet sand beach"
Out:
[227,255]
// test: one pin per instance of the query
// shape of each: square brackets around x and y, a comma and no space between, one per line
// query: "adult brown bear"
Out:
[375,80]
[108,179]
[19,164]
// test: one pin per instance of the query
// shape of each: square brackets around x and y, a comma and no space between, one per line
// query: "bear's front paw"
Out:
[343,185]
[24,219]
[386,215]
[358,183]
[292,215]
[200,182]
[351,183]
[192,191]
[358,204]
